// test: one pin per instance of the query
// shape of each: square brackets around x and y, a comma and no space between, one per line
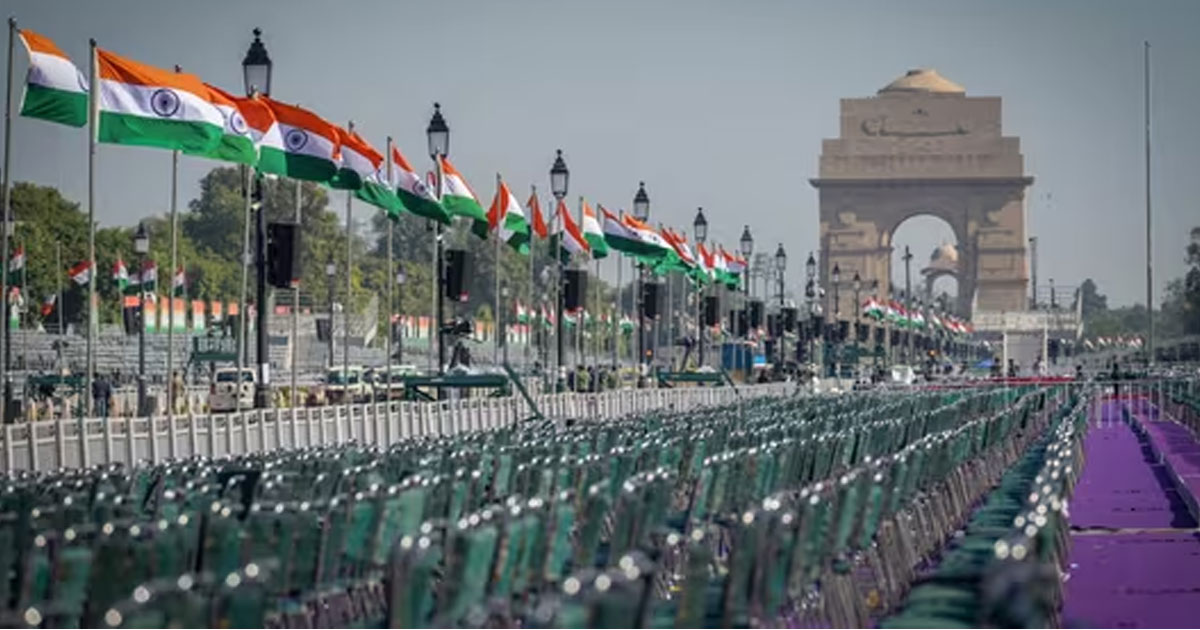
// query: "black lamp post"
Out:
[810,293]
[141,246]
[330,274]
[437,134]
[256,76]
[641,212]
[836,277]
[857,313]
[560,178]
[700,231]
[746,243]
[780,268]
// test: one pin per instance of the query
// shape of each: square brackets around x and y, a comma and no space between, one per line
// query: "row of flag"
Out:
[142,105]
[1118,341]
[900,316]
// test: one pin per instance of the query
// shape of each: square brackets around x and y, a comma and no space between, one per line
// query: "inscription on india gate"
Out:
[922,146]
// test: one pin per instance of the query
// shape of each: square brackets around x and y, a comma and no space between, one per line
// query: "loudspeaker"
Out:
[283,255]
[650,294]
[575,289]
[458,269]
[756,313]
[769,348]
[131,317]
[324,329]
[739,327]
[790,314]
[712,307]
[773,321]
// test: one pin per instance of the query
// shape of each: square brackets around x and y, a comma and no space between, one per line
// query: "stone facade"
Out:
[921,146]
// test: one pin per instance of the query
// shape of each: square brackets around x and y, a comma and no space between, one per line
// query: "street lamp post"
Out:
[700,231]
[641,212]
[141,246]
[810,292]
[437,134]
[875,328]
[907,297]
[560,179]
[857,313]
[780,268]
[256,75]
[331,274]
[836,276]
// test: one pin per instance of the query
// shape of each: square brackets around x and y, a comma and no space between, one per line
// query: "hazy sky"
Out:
[714,104]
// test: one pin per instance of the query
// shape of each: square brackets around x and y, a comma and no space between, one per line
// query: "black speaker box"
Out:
[575,289]
[712,307]
[458,269]
[283,255]
[650,293]
[756,313]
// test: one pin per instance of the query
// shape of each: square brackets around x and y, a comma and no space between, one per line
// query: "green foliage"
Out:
[211,233]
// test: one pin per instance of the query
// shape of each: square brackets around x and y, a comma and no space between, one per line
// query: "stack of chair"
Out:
[818,510]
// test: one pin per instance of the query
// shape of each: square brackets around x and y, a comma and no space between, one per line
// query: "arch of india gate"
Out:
[921,146]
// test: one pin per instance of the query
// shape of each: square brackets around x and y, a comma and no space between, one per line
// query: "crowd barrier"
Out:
[54,444]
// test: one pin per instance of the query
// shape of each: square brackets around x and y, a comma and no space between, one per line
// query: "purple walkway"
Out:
[1130,579]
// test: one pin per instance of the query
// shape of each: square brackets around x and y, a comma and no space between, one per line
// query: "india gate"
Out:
[922,146]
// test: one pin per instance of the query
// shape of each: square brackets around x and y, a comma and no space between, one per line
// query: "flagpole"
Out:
[346,396]
[4,235]
[58,301]
[596,320]
[391,278]
[93,116]
[241,335]
[295,338]
[532,278]
[170,380]
[497,321]
[614,323]
[23,318]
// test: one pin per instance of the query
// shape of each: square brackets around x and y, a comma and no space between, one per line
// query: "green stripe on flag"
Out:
[423,207]
[60,106]
[158,132]
[296,165]
[231,148]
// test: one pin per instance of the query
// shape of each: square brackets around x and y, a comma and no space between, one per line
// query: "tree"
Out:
[1190,290]
[1092,301]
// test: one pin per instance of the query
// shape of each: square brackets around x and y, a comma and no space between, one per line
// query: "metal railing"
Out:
[53,444]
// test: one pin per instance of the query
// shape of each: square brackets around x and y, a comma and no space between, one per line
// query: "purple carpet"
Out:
[1131,580]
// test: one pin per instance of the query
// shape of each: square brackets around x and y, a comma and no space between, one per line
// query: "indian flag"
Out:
[457,197]
[535,211]
[507,216]
[522,314]
[571,237]
[872,308]
[415,196]
[238,142]
[55,90]
[628,239]
[593,233]
[48,304]
[16,264]
[179,283]
[298,144]
[81,273]
[377,190]
[705,262]
[147,106]
[120,275]
[360,161]
[148,279]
